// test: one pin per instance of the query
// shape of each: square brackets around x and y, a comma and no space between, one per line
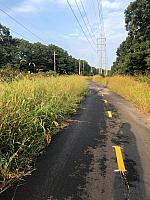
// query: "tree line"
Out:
[34,57]
[133,55]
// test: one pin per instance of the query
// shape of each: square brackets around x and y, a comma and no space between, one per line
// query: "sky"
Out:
[54,23]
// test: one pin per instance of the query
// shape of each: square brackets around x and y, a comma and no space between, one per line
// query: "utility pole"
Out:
[105,57]
[101,55]
[79,67]
[54,60]
[101,44]
[91,70]
[83,67]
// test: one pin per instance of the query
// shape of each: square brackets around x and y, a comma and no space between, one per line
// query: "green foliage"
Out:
[33,109]
[137,17]
[8,74]
[133,55]
[20,52]
[7,44]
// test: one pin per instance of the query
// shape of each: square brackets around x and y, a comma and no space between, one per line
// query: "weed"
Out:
[135,89]
[32,110]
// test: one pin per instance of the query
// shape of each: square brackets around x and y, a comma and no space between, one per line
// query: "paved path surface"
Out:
[79,164]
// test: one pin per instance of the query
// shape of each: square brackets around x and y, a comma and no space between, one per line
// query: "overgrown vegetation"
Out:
[135,89]
[35,57]
[32,110]
[133,58]
[133,55]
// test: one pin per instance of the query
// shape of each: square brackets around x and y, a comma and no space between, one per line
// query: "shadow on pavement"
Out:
[61,172]
[126,139]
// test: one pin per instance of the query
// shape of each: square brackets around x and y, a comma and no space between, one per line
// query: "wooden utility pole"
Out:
[79,67]
[83,66]
[54,60]
[91,70]
[105,57]
[101,55]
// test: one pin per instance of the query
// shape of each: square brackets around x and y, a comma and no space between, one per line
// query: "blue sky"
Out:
[53,21]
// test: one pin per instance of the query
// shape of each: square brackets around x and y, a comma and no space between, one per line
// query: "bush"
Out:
[32,110]
[135,89]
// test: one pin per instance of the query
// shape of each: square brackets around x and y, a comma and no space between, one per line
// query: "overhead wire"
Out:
[80,25]
[95,12]
[100,11]
[39,38]
[96,15]
[102,36]
[11,9]
[84,21]
[19,34]
[87,19]
[21,25]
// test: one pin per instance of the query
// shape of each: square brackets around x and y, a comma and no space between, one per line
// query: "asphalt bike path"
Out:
[80,162]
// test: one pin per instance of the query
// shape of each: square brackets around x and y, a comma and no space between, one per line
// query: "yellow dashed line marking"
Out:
[121,166]
[105,93]
[109,114]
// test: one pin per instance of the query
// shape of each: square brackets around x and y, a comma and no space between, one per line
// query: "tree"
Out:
[133,53]
[32,56]
[137,17]
[6,46]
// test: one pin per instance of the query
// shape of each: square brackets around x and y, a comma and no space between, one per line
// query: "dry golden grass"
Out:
[133,90]
[32,110]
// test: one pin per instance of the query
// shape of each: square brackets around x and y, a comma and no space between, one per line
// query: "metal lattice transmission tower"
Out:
[101,42]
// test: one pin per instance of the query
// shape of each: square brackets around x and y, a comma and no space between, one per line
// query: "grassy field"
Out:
[135,89]
[32,110]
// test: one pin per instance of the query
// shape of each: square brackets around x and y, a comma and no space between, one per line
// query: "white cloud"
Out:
[24,8]
[28,6]
[73,40]
[110,4]
[113,11]
[74,34]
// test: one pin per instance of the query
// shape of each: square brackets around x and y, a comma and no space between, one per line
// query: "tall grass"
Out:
[32,109]
[132,89]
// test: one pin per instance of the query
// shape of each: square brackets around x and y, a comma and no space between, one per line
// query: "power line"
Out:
[97,21]
[87,18]
[79,24]
[10,9]
[102,39]
[99,10]
[99,2]
[21,25]
[84,21]
[18,34]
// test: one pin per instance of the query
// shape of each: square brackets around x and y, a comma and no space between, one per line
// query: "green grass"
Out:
[134,89]
[32,110]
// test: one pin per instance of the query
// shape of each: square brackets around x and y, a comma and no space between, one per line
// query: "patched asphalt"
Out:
[79,163]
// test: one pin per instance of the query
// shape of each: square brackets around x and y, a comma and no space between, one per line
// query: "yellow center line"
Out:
[121,166]
[105,101]
[109,114]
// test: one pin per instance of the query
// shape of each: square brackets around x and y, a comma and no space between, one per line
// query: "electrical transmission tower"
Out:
[101,46]
[101,42]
